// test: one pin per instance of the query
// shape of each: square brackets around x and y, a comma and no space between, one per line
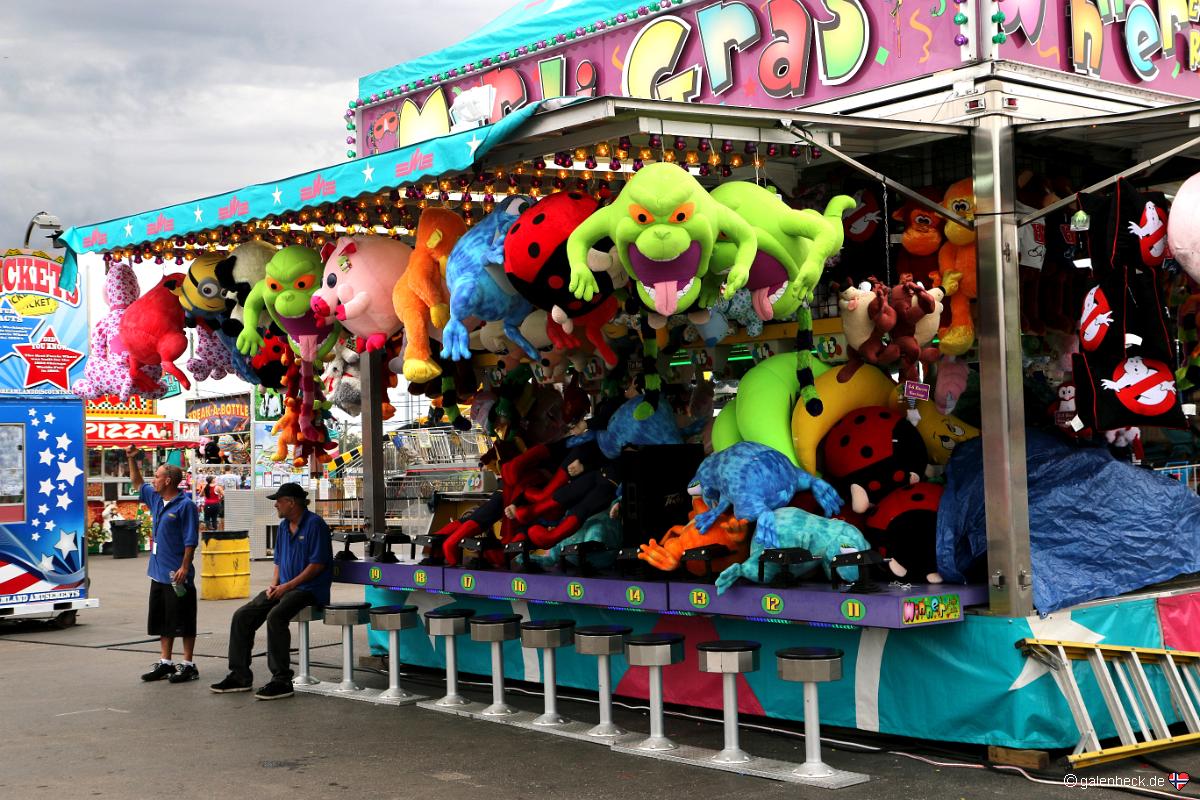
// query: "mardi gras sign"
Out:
[773,54]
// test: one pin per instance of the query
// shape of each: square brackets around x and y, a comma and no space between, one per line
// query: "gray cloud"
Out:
[111,108]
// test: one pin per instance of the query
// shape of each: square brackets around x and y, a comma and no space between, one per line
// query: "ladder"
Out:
[1180,669]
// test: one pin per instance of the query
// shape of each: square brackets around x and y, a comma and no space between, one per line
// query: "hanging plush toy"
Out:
[204,306]
[535,261]
[918,313]
[921,239]
[664,225]
[1183,234]
[956,266]
[867,316]
[420,298]
[249,267]
[478,285]
[357,283]
[107,367]
[152,332]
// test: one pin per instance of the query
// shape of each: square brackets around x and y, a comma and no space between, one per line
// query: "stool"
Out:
[497,629]
[349,539]
[655,650]
[603,641]
[548,635]
[810,666]
[450,623]
[303,617]
[394,619]
[347,615]
[729,659]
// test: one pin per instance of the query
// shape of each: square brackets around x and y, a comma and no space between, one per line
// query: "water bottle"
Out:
[180,589]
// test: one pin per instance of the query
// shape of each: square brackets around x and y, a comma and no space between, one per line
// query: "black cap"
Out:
[289,490]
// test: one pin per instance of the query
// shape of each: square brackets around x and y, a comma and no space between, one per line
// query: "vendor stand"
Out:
[925,97]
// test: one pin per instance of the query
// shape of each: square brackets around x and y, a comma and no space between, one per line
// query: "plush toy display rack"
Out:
[908,648]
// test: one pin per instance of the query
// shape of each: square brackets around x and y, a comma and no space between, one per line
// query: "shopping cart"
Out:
[441,446]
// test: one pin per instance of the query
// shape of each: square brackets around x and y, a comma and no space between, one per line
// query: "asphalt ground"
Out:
[77,721]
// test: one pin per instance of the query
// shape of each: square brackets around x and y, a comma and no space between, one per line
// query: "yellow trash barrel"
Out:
[225,565]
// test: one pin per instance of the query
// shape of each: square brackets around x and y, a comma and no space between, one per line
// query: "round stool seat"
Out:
[393,618]
[729,655]
[495,627]
[601,640]
[547,632]
[809,664]
[448,621]
[309,614]
[654,649]
[347,613]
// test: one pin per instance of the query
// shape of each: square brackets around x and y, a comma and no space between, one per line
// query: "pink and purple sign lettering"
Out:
[1148,44]
[766,54]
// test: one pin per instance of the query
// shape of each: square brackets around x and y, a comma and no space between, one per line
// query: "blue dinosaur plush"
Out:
[755,480]
[740,309]
[827,538]
[624,429]
[598,528]
[478,285]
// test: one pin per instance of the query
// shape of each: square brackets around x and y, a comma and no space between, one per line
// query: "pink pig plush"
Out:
[360,272]
[107,367]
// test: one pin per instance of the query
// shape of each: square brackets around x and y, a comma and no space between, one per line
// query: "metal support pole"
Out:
[657,739]
[606,728]
[813,766]
[550,714]
[732,753]
[498,708]
[305,677]
[374,388]
[1002,402]
[348,684]
[393,660]
[452,698]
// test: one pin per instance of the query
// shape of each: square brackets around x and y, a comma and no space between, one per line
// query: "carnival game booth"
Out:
[938,525]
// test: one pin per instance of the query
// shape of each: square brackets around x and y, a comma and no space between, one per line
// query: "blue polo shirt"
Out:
[309,544]
[176,525]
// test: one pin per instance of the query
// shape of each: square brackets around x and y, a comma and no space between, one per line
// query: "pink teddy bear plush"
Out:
[107,367]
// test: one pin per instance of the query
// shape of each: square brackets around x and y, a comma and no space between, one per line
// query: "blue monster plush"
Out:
[826,538]
[755,480]
[478,285]
[625,430]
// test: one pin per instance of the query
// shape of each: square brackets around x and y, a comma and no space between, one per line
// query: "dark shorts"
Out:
[211,514]
[171,615]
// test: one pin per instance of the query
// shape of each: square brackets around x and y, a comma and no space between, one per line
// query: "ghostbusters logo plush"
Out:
[1152,233]
[1096,319]
[1144,386]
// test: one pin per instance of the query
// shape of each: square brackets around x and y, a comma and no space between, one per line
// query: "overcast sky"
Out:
[115,107]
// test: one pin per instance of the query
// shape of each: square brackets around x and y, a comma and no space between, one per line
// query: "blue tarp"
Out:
[1098,527]
[525,23]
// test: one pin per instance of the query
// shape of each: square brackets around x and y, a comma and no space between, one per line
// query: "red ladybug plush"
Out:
[903,527]
[535,261]
[870,452]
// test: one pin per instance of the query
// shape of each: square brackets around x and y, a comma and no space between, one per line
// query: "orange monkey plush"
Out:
[956,266]
[920,241]
[420,297]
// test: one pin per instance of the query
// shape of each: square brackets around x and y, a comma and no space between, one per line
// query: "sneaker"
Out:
[274,691]
[159,672]
[184,673]
[230,684]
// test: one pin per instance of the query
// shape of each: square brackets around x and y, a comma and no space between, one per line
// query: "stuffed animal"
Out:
[956,267]
[664,225]
[248,268]
[903,527]
[356,286]
[870,452]
[921,239]
[755,480]
[918,313]
[825,538]
[204,304]
[868,386]
[952,376]
[479,287]
[1126,439]
[152,332]
[535,261]
[342,384]
[667,554]
[420,297]
[600,528]
[624,429]
[940,432]
[107,368]
[1183,234]
[867,315]
[740,309]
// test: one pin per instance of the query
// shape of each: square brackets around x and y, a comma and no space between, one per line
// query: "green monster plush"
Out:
[293,276]
[793,246]
[664,225]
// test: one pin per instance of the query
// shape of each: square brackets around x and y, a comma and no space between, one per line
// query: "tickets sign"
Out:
[43,328]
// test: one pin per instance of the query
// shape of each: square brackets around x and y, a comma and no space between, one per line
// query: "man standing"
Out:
[175,532]
[303,574]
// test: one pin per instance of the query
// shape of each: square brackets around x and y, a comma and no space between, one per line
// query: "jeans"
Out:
[277,613]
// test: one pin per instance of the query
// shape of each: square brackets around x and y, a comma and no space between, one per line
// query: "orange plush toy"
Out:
[668,554]
[956,267]
[420,297]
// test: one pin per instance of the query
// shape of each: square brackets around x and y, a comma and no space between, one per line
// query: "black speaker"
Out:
[654,488]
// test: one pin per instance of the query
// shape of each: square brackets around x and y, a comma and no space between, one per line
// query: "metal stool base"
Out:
[768,768]
[607,730]
[499,710]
